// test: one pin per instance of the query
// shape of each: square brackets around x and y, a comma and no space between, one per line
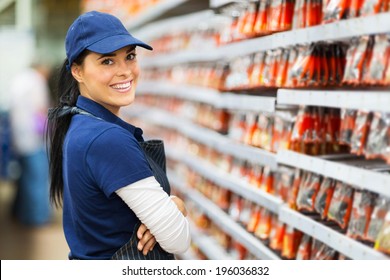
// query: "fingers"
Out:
[146,240]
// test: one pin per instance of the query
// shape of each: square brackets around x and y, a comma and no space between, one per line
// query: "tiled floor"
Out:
[18,242]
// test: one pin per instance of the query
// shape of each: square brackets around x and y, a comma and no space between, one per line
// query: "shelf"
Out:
[210,96]
[338,241]
[220,218]
[230,182]
[359,177]
[208,245]
[219,3]
[336,31]
[206,136]
[152,13]
[368,100]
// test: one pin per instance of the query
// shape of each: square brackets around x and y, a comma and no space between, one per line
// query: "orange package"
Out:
[254,219]
[354,8]
[264,226]
[324,197]
[375,71]
[277,235]
[348,119]
[341,205]
[255,78]
[307,192]
[250,19]
[360,133]
[260,27]
[381,208]
[335,10]
[267,182]
[287,14]
[274,15]
[363,204]
[382,242]
[371,7]
[304,248]
[291,240]
[299,176]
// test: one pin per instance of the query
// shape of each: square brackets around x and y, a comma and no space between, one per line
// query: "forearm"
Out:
[159,213]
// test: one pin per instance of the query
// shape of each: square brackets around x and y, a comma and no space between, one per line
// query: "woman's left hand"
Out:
[146,240]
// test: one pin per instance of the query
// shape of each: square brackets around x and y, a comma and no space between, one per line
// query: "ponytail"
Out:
[58,125]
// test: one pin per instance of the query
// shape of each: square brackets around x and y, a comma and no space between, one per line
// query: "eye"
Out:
[107,61]
[131,56]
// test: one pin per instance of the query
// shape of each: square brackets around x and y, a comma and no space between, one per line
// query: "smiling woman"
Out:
[111,183]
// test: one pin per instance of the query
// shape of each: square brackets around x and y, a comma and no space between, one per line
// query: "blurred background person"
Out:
[29,102]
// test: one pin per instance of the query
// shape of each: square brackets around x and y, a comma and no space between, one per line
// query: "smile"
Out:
[122,87]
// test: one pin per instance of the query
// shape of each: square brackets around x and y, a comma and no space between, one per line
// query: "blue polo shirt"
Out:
[100,156]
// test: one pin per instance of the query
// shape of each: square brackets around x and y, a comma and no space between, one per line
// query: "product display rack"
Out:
[209,96]
[370,99]
[335,31]
[152,13]
[220,218]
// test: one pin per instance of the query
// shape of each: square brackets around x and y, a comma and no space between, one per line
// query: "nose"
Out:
[123,70]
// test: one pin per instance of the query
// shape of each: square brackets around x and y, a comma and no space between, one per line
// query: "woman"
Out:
[98,168]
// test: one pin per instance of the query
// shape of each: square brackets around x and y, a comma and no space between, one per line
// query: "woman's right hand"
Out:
[146,240]
[180,204]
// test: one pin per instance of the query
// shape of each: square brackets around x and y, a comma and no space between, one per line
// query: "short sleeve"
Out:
[115,160]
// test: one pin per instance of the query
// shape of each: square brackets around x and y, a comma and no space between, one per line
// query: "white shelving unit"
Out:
[207,137]
[366,179]
[210,96]
[152,13]
[230,182]
[220,218]
[338,241]
[368,100]
[335,31]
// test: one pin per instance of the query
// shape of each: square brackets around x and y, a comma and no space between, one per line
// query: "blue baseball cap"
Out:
[97,32]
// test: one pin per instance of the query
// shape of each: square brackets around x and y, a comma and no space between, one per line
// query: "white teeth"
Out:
[121,86]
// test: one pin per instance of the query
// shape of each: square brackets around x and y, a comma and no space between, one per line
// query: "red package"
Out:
[363,203]
[376,68]
[286,17]
[299,176]
[335,10]
[254,219]
[250,19]
[291,241]
[324,197]
[382,207]
[360,133]
[307,192]
[348,119]
[277,235]
[382,242]
[263,228]
[260,27]
[341,205]
[304,248]
[257,70]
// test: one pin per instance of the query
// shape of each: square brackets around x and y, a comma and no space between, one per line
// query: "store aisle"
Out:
[18,242]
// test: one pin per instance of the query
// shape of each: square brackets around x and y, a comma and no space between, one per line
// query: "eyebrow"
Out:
[129,50]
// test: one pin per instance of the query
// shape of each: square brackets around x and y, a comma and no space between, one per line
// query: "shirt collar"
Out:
[99,111]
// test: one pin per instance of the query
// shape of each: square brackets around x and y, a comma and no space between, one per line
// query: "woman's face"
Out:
[109,79]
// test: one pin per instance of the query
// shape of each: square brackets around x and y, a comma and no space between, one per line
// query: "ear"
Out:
[76,72]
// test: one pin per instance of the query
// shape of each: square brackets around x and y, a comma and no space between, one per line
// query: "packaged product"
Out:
[256,79]
[276,235]
[321,251]
[254,219]
[267,182]
[378,140]
[363,204]
[347,126]
[341,205]
[299,176]
[371,7]
[307,192]
[374,74]
[291,240]
[382,242]
[335,10]
[381,208]
[263,228]
[260,27]
[360,133]
[304,248]
[324,197]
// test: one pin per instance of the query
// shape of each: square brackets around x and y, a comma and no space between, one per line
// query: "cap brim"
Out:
[116,42]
